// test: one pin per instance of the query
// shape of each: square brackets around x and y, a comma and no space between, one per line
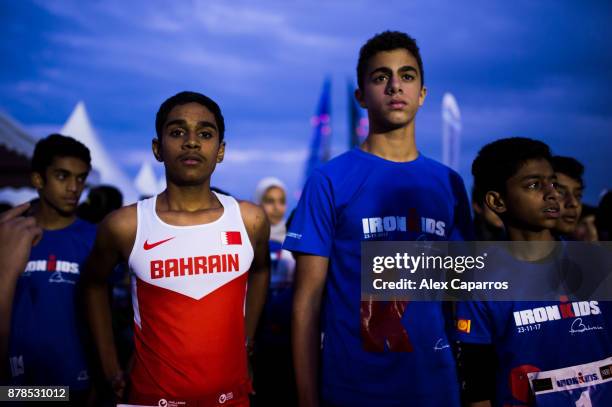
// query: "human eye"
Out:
[81,179]
[205,134]
[561,190]
[535,185]
[408,77]
[380,78]
[61,176]
[176,132]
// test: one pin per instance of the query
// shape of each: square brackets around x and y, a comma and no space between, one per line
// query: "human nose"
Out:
[278,207]
[191,140]
[551,192]
[71,184]
[393,85]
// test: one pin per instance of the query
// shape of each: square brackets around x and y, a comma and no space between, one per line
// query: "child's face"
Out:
[190,146]
[570,192]
[531,199]
[274,204]
[392,90]
[63,184]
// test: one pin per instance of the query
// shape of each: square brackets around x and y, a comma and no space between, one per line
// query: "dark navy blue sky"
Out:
[536,69]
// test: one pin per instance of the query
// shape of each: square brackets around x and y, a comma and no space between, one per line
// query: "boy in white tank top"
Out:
[192,254]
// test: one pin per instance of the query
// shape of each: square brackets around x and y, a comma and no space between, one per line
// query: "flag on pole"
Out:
[322,131]
[358,120]
[451,131]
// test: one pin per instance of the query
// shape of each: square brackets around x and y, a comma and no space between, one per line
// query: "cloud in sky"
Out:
[232,155]
[539,69]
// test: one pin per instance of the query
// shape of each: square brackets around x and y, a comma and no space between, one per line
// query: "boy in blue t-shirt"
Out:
[46,335]
[374,353]
[502,342]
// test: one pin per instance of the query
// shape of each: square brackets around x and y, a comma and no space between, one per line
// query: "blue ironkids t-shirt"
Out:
[46,331]
[360,197]
[534,336]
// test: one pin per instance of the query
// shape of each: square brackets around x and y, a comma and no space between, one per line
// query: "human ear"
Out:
[37,180]
[495,202]
[359,97]
[221,152]
[156,147]
[422,95]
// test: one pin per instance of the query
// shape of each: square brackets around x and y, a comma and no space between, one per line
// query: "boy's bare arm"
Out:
[111,246]
[258,228]
[310,275]
[17,235]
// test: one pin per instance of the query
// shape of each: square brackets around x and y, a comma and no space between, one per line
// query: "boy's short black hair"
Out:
[387,41]
[570,167]
[57,145]
[498,161]
[183,98]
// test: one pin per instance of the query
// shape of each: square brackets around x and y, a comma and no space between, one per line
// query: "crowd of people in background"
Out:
[194,296]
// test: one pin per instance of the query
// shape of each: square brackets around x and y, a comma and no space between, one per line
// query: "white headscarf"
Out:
[266,184]
[278,231]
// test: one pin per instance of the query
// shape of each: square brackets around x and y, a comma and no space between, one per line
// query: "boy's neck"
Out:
[189,199]
[543,243]
[396,145]
[522,235]
[48,218]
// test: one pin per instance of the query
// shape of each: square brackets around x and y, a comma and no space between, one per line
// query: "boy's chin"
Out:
[548,224]
[564,229]
[390,125]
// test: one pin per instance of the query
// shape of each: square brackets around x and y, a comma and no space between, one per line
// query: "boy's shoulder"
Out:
[83,227]
[341,162]
[439,167]
[338,170]
[354,162]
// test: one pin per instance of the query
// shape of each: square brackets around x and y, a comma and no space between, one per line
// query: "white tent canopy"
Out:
[14,137]
[145,181]
[19,145]
[79,127]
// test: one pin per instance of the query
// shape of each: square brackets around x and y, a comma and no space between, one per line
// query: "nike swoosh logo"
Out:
[149,246]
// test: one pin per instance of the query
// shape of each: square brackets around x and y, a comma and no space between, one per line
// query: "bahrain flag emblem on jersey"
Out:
[231,238]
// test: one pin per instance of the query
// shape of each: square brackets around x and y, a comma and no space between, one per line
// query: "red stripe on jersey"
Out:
[188,348]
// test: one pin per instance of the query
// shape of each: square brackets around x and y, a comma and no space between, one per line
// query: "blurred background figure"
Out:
[273,370]
[48,337]
[270,193]
[603,219]
[487,225]
[570,186]
[586,230]
[101,201]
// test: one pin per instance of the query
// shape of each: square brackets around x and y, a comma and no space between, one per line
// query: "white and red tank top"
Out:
[188,292]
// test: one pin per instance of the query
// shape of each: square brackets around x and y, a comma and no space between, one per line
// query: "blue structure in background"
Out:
[358,120]
[320,148]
